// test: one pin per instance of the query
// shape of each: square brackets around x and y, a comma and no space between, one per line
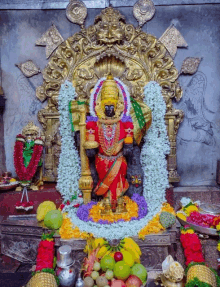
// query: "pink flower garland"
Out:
[26,174]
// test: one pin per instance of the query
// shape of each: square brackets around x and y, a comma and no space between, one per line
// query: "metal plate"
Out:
[199,229]
[210,208]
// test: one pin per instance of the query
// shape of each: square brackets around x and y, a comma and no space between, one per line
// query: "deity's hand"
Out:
[77,139]
[91,152]
[127,150]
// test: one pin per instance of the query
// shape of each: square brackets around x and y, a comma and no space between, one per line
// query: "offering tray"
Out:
[199,229]
[213,209]
[11,185]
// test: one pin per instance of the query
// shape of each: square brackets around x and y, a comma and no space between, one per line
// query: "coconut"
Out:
[88,281]
[101,281]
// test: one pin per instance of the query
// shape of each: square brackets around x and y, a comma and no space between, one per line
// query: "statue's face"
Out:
[109,110]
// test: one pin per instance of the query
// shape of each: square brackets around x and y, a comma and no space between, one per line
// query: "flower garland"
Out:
[26,174]
[45,256]
[192,246]
[194,256]
[68,230]
[155,149]
[69,162]
[136,209]
[152,158]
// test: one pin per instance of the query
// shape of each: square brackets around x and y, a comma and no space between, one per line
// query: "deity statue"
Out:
[27,155]
[109,141]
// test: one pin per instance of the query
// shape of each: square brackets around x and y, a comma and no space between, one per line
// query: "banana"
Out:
[129,243]
[103,251]
[99,242]
[134,254]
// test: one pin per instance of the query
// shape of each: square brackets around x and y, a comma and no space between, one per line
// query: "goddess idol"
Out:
[110,139]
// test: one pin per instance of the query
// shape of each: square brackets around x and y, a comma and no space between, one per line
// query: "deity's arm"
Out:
[128,140]
[91,144]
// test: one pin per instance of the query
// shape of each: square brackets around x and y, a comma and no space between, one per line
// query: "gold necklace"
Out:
[108,151]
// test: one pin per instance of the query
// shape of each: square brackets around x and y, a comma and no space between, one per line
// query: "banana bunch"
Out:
[126,244]
[94,243]
[132,247]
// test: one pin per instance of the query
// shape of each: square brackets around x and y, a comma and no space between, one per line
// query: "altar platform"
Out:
[20,233]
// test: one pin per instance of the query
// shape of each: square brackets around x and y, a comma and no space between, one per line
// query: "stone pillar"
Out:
[2,148]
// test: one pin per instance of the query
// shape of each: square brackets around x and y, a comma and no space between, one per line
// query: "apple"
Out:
[118,256]
[118,283]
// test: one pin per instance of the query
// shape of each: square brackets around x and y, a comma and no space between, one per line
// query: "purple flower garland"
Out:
[83,210]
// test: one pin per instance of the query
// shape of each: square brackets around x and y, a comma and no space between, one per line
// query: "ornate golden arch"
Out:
[109,45]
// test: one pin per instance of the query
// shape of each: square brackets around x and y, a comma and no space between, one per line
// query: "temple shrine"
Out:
[109,147]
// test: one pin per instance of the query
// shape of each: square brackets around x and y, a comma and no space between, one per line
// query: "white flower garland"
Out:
[69,163]
[153,162]
[155,149]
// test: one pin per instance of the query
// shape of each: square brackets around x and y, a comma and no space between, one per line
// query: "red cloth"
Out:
[117,184]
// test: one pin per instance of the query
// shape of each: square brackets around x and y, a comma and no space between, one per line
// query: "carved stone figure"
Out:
[134,172]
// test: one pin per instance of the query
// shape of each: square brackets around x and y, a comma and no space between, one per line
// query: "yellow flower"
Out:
[181,216]
[68,230]
[218,246]
[188,210]
[218,226]
[190,231]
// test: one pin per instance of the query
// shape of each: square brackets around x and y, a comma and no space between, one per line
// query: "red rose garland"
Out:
[45,254]
[26,174]
[192,246]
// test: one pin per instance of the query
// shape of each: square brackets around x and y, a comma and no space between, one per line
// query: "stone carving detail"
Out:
[110,45]
[28,68]
[152,257]
[172,39]
[21,230]
[23,249]
[51,39]
[190,65]
[143,11]
[76,12]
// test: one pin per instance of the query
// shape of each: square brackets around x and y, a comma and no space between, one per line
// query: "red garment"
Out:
[111,165]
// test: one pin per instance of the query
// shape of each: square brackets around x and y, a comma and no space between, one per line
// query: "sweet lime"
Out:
[122,270]
[44,208]
[53,219]
[140,271]
[107,262]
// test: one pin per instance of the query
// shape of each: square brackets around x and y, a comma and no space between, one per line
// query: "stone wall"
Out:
[198,137]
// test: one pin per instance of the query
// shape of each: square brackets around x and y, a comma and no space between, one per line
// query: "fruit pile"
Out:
[48,213]
[115,266]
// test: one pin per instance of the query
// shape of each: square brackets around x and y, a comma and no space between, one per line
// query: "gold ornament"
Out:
[76,12]
[172,39]
[143,11]
[28,68]
[109,92]
[110,45]
[51,39]
[31,129]
[190,65]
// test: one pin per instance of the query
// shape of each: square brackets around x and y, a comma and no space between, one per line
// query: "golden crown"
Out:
[30,128]
[110,91]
